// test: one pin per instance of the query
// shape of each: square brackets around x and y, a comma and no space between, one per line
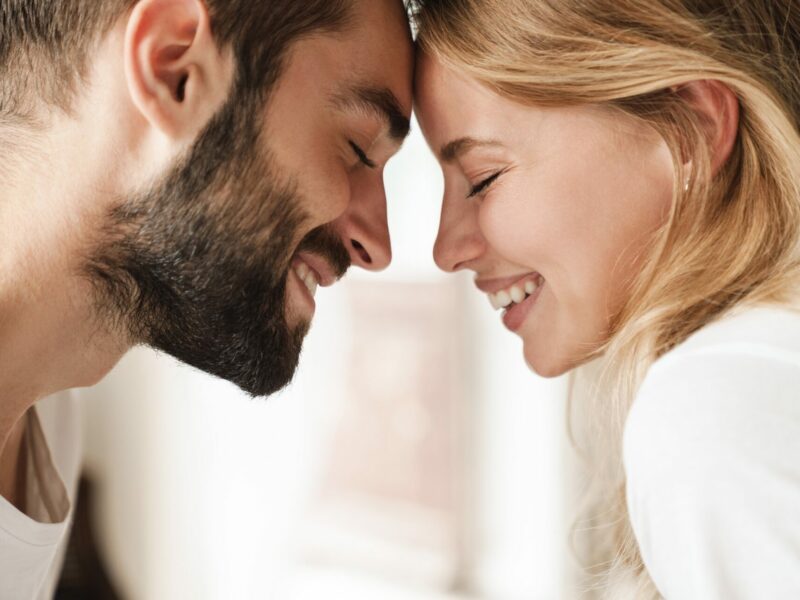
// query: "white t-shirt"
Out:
[712,459]
[32,544]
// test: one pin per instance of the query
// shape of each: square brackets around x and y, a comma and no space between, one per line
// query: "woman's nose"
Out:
[459,240]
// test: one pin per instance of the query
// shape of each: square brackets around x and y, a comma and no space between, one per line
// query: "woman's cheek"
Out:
[508,225]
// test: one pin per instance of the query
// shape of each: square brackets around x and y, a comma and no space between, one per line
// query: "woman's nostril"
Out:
[362,252]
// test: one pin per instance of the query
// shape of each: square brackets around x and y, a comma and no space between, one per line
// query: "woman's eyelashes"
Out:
[362,156]
[484,185]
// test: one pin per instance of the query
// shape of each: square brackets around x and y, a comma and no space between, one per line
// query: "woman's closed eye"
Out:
[484,185]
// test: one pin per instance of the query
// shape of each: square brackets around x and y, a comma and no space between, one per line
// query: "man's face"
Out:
[217,265]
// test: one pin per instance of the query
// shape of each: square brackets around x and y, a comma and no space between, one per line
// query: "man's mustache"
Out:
[325,242]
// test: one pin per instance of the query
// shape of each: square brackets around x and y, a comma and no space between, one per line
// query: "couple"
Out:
[622,177]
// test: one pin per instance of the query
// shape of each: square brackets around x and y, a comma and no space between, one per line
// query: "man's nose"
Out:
[364,227]
[459,240]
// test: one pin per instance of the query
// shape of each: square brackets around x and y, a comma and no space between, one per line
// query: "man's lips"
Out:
[308,270]
[322,269]
[312,270]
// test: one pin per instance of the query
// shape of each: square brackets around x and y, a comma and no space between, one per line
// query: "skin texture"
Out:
[88,210]
[581,192]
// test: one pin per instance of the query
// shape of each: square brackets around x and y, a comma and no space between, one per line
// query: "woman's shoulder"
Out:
[710,452]
[767,331]
[721,407]
[724,381]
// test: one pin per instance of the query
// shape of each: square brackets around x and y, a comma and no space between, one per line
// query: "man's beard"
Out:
[197,266]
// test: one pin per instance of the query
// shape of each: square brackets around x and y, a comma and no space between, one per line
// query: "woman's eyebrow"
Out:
[454,150]
[379,101]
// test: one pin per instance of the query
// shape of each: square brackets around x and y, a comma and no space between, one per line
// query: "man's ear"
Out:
[177,76]
[718,108]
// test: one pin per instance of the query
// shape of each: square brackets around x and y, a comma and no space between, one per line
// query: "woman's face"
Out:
[552,208]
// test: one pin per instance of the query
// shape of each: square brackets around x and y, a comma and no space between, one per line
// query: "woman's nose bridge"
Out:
[457,235]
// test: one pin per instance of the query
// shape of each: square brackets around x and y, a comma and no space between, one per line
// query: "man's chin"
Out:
[268,379]
[268,389]
[259,367]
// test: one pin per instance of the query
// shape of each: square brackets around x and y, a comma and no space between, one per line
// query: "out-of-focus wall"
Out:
[205,494]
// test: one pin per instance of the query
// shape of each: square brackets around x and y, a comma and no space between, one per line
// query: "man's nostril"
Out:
[362,252]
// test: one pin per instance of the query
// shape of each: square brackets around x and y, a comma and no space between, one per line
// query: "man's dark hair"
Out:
[45,45]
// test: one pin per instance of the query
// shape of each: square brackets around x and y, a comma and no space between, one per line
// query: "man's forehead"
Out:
[367,67]
[385,47]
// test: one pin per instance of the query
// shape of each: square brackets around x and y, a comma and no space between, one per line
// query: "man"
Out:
[180,174]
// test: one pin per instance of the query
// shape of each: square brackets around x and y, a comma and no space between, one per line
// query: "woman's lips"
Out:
[495,285]
[514,316]
[515,295]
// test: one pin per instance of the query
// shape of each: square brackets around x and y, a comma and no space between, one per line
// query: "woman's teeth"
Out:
[514,294]
[308,276]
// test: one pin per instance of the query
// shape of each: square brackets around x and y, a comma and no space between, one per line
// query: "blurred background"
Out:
[414,457]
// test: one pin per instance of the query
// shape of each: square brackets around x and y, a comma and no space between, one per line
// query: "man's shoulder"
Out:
[32,542]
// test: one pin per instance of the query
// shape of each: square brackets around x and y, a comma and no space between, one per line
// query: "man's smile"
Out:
[308,272]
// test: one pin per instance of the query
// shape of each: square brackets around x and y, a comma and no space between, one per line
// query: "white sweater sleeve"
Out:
[712,459]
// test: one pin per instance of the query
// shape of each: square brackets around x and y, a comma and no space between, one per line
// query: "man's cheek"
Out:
[326,194]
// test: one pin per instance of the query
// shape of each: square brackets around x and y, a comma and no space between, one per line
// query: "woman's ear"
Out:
[718,108]
[177,76]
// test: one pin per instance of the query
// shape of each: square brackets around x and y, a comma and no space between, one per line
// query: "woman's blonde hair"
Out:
[731,239]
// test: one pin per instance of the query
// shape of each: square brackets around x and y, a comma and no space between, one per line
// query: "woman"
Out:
[623,177]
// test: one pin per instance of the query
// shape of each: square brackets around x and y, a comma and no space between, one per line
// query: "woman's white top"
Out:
[712,459]
[32,543]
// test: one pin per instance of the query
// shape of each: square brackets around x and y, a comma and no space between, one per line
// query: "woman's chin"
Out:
[545,364]
[548,372]
[548,362]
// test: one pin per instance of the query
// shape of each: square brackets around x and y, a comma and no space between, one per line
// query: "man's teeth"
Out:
[307,276]
[513,295]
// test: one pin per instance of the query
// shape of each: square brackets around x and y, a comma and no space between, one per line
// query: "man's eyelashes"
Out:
[362,156]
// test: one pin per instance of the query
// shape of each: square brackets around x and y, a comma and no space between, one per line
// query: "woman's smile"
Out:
[515,296]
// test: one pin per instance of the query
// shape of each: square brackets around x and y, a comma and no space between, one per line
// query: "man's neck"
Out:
[50,339]
[56,187]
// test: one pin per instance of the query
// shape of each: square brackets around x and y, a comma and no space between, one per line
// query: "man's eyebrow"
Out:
[455,149]
[380,101]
